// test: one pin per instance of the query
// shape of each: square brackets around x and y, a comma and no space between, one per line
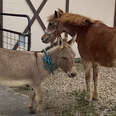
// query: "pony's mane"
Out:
[70,18]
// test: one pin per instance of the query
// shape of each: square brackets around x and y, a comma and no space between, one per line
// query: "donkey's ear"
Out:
[70,42]
[61,43]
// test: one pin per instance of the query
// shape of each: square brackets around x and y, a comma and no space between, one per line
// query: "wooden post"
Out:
[66,10]
[67,6]
[1,23]
[115,14]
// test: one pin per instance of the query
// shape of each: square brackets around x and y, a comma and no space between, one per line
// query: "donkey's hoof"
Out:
[72,75]
[31,110]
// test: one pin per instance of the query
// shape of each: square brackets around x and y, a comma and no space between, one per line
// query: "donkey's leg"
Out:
[38,99]
[95,79]
[32,102]
[87,68]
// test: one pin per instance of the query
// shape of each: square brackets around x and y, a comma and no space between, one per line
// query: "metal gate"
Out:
[16,40]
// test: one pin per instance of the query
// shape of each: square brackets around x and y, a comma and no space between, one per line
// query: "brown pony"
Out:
[96,42]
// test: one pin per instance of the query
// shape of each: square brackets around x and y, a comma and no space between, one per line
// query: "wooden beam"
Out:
[115,14]
[35,16]
[36,13]
[1,23]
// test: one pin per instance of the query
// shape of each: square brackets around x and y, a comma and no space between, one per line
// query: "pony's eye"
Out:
[52,24]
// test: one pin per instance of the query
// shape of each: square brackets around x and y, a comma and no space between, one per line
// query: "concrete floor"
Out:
[13,104]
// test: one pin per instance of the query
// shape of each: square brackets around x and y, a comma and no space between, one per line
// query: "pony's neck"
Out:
[71,29]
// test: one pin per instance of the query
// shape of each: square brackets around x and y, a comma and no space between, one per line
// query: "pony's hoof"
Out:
[40,108]
[94,99]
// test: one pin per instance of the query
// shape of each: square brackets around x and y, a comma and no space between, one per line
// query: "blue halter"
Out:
[48,64]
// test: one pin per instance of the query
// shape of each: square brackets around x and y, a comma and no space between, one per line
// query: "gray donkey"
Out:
[22,67]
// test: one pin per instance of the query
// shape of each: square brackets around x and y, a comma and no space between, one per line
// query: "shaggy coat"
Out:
[22,67]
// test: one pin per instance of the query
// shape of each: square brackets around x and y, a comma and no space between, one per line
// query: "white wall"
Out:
[97,9]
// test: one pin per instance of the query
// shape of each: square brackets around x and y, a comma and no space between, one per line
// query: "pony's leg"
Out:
[95,79]
[87,68]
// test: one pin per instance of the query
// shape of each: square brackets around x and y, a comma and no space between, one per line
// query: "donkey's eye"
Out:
[64,58]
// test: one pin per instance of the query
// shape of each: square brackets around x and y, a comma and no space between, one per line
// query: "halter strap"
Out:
[48,64]
[49,32]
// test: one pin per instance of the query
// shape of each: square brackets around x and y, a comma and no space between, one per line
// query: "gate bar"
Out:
[16,15]
[1,23]
[24,34]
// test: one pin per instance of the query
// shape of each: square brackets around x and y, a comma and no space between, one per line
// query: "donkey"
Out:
[23,67]
[96,42]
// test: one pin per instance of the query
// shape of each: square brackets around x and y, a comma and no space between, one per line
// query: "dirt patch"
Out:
[67,97]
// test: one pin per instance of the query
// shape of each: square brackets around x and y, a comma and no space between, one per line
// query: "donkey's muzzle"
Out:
[72,75]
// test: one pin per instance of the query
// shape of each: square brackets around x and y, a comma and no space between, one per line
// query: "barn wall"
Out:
[98,9]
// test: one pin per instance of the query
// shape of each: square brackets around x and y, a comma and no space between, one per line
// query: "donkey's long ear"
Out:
[61,43]
[70,42]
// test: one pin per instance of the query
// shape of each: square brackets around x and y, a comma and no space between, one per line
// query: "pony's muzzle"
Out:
[45,39]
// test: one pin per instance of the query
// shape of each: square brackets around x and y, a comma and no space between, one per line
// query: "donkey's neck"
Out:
[54,53]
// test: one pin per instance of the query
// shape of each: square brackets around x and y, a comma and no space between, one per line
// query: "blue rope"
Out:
[48,64]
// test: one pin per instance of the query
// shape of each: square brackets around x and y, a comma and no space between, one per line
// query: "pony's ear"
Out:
[55,14]
[60,11]
[58,14]
[71,42]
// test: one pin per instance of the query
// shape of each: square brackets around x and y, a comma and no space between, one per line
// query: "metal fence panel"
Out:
[16,40]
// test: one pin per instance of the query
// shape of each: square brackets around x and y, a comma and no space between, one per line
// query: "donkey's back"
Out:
[16,67]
